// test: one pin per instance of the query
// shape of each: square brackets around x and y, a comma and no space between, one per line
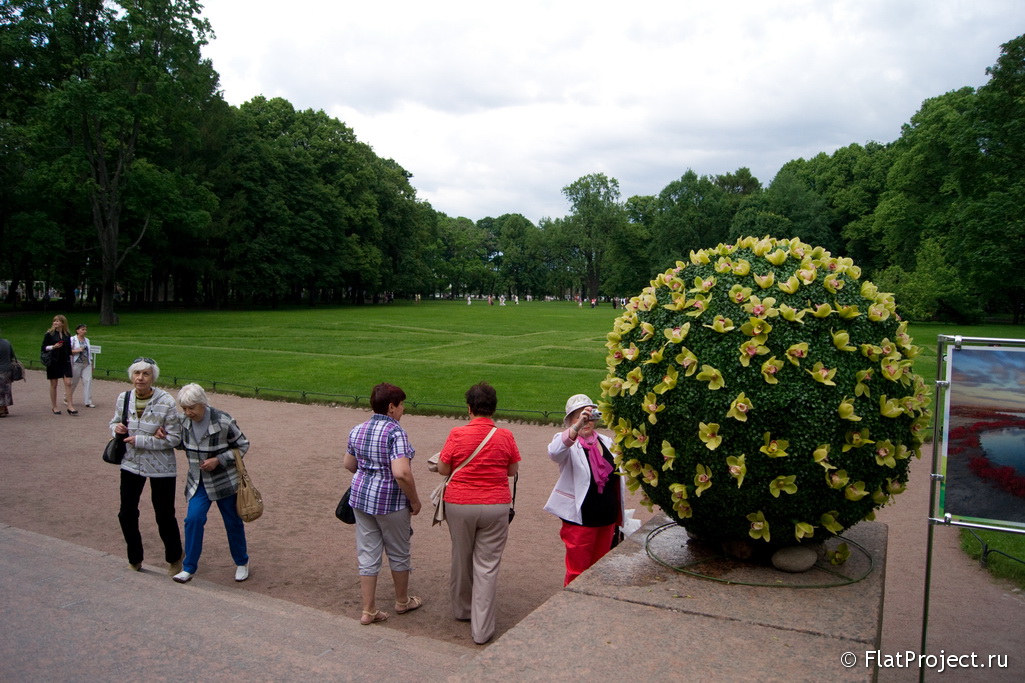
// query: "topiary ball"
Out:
[762,391]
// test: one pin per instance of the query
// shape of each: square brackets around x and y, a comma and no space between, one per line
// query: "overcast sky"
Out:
[495,107]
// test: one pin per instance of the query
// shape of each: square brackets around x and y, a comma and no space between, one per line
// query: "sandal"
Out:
[375,616]
[412,602]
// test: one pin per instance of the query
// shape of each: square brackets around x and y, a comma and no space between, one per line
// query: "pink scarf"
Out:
[600,467]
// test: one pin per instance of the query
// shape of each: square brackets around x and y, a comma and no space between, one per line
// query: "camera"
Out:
[595,415]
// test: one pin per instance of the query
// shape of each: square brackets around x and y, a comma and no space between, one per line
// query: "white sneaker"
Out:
[182,577]
[242,572]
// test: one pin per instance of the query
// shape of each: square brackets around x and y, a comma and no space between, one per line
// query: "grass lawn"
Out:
[535,354]
[1006,542]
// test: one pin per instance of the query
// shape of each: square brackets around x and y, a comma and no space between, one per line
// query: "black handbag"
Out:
[46,357]
[343,511]
[114,451]
[17,371]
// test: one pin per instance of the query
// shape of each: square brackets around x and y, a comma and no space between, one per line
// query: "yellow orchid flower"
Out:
[842,341]
[633,381]
[709,433]
[741,267]
[807,274]
[893,370]
[792,314]
[869,290]
[683,509]
[761,247]
[702,285]
[699,303]
[737,468]
[739,293]
[750,349]
[756,327]
[759,527]
[668,381]
[774,448]
[847,312]
[829,522]
[678,302]
[791,285]
[765,281]
[649,475]
[712,376]
[777,258]
[638,438]
[878,312]
[721,325]
[822,310]
[783,484]
[820,373]
[802,530]
[890,407]
[621,430]
[633,468]
[652,407]
[837,479]
[856,440]
[699,258]
[885,454]
[860,388]
[656,356]
[797,352]
[702,480]
[614,338]
[855,491]
[846,410]
[770,369]
[677,334]
[872,352]
[880,497]
[840,555]
[688,360]
[611,386]
[740,407]
[677,492]
[894,487]
[761,308]
[668,456]
[649,331]
[631,352]
[833,284]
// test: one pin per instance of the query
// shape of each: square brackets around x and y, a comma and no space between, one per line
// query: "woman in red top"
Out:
[477,501]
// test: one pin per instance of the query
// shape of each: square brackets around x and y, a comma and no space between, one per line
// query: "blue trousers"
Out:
[195,520]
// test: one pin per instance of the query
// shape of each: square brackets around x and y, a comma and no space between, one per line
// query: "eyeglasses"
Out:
[145,360]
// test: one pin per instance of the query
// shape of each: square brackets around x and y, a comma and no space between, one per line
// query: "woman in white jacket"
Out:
[589,495]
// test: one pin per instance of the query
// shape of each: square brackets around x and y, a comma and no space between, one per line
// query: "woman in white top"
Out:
[81,366]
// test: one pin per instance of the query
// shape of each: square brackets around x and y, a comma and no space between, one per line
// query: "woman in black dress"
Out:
[57,341]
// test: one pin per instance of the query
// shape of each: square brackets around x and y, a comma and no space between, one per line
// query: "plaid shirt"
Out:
[375,443]
[220,441]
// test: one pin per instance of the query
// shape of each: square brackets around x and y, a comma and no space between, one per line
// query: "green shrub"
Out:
[762,391]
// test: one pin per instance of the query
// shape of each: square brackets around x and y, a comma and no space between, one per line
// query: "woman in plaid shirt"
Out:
[212,441]
[383,498]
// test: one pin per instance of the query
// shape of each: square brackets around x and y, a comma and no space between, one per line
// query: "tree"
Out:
[122,79]
[596,214]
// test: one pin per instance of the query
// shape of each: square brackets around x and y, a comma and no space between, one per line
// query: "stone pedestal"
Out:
[631,618]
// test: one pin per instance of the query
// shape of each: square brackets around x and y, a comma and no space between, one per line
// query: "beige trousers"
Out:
[478,533]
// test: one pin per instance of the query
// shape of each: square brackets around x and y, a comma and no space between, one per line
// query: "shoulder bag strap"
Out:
[124,408]
[472,455]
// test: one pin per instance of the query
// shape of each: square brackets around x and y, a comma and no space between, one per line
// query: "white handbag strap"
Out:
[472,455]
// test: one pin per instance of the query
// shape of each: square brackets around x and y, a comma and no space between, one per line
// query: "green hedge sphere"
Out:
[762,391]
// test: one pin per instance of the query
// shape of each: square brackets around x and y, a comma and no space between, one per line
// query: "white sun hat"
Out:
[578,401]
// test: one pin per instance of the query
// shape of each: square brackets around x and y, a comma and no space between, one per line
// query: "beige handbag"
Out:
[438,494]
[249,502]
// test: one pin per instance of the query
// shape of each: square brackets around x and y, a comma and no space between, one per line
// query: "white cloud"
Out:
[495,107]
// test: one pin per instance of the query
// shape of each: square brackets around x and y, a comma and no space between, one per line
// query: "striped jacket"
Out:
[150,456]
[223,440]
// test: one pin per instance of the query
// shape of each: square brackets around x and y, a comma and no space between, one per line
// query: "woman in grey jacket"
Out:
[153,431]
[212,441]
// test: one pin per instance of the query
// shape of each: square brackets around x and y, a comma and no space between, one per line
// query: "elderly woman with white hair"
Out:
[589,495]
[153,428]
[212,442]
